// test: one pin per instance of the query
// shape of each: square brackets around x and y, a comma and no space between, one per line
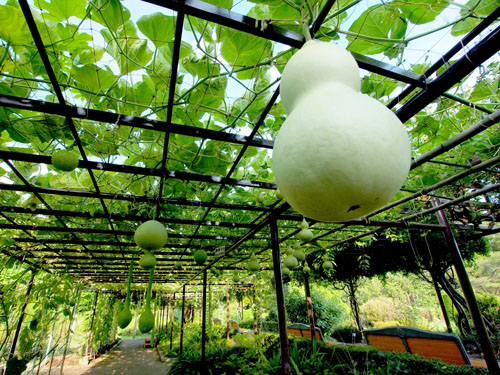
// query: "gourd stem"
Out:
[305,30]
[131,267]
[150,287]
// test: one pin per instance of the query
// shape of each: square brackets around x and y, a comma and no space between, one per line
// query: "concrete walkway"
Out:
[127,358]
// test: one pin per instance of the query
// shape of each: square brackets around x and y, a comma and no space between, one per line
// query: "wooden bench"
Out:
[147,342]
[304,330]
[234,324]
[444,346]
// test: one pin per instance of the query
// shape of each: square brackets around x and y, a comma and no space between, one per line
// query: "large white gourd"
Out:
[340,154]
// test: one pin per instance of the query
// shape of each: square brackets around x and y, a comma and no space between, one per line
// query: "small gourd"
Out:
[305,235]
[253,264]
[298,252]
[147,261]
[200,257]
[236,278]
[306,269]
[285,271]
[291,262]
[147,319]
[64,160]
[327,265]
[124,316]
[151,235]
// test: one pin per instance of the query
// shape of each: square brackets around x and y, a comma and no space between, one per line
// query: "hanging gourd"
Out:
[124,317]
[298,252]
[236,278]
[340,154]
[147,261]
[290,262]
[151,235]
[253,264]
[305,235]
[200,257]
[64,160]
[147,319]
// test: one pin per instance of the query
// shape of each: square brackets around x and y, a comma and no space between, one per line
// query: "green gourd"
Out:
[124,316]
[253,264]
[147,319]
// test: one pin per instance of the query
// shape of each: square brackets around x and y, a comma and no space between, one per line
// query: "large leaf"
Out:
[422,11]
[110,13]
[157,27]
[243,50]
[92,78]
[381,22]
[130,53]
[61,10]
[13,27]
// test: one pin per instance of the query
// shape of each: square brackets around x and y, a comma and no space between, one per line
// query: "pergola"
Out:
[196,168]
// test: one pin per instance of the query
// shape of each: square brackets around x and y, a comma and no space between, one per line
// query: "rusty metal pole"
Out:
[227,313]
[182,317]
[310,311]
[441,303]
[463,278]
[21,318]
[166,317]
[172,322]
[280,299]
[255,323]
[204,317]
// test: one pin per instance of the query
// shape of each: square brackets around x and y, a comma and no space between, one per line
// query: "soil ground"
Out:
[127,358]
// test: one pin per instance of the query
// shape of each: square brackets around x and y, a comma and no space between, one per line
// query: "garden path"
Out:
[127,358]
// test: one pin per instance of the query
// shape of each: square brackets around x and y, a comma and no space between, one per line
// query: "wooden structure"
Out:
[444,346]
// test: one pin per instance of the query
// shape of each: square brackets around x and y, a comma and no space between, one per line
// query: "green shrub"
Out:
[327,313]
[378,310]
[261,356]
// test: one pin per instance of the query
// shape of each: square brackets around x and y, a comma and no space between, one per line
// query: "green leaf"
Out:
[482,7]
[422,11]
[157,27]
[243,50]
[201,67]
[226,4]
[13,27]
[61,10]
[463,27]
[92,78]
[130,53]
[379,21]
[208,94]
[109,13]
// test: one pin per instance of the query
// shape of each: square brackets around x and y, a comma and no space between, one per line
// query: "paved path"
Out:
[127,358]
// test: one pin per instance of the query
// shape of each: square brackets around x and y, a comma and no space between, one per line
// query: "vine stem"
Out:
[305,30]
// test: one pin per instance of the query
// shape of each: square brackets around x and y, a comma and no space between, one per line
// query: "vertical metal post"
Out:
[255,328]
[91,325]
[280,299]
[204,317]
[168,310]
[172,322]
[227,312]
[182,317]
[310,311]
[482,333]
[441,303]
[210,305]
[21,318]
